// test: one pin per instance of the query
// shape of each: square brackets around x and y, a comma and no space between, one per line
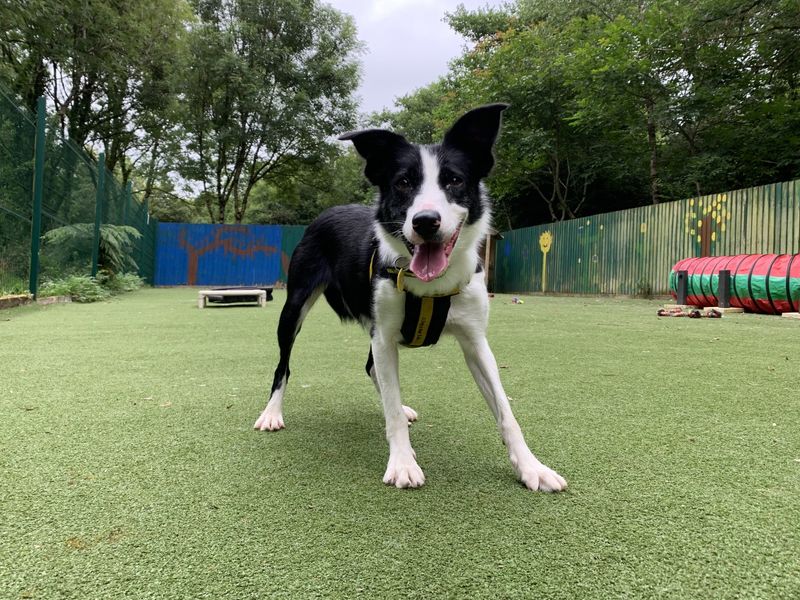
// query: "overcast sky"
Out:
[408,45]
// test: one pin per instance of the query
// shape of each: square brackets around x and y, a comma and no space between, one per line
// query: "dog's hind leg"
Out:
[298,303]
[411,414]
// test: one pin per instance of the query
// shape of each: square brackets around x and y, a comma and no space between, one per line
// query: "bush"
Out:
[11,286]
[122,282]
[81,288]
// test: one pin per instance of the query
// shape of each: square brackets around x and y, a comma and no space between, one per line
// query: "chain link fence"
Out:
[61,212]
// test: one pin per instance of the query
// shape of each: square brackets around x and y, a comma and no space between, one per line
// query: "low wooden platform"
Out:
[260,295]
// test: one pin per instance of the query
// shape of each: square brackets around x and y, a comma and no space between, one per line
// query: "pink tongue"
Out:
[428,261]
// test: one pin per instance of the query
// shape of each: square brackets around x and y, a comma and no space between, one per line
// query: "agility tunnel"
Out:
[762,283]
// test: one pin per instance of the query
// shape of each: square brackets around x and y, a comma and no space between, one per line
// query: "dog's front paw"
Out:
[403,472]
[537,476]
[270,420]
[411,414]
[543,478]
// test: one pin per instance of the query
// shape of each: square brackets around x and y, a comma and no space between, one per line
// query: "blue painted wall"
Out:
[216,255]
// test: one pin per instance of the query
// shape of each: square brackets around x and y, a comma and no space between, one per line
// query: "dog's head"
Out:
[430,204]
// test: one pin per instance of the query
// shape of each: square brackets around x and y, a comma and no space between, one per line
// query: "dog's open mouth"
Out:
[430,260]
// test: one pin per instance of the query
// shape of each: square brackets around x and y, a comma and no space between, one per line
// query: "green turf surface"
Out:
[128,466]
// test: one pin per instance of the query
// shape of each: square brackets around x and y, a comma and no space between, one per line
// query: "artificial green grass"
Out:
[128,466]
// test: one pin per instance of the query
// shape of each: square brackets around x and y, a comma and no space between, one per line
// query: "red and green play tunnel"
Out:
[763,283]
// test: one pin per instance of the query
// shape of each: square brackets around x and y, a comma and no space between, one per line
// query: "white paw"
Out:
[270,420]
[403,472]
[411,414]
[541,477]
[535,475]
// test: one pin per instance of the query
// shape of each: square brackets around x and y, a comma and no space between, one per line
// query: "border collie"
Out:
[389,266]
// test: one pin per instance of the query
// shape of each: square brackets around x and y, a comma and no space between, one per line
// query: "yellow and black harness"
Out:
[425,316]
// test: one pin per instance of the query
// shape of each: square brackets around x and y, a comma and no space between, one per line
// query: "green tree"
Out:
[104,65]
[303,191]
[420,116]
[268,83]
[617,104]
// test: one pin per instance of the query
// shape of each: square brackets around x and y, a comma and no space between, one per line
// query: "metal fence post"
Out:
[145,231]
[128,200]
[98,210]
[38,184]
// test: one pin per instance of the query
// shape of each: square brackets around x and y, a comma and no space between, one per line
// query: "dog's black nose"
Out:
[426,223]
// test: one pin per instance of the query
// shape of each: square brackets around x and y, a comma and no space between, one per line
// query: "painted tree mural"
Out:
[705,221]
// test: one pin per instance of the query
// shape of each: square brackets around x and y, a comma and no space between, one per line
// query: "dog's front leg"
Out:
[482,365]
[402,470]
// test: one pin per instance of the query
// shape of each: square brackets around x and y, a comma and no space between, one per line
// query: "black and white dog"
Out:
[408,269]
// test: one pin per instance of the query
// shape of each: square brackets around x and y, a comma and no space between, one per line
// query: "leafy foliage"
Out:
[106,67]
[224,110]
[618,104]
[11,285]
[120,282]
[268,83]
[81,288]
[73,243]
[298,196]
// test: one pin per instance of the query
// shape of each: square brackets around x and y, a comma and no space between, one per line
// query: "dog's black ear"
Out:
[475,134]
[377,146]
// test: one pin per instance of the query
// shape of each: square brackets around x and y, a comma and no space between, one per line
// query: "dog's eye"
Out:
[454,181]
[403,184]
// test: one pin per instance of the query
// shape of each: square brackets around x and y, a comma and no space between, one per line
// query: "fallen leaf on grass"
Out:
[113,536]
[76,543]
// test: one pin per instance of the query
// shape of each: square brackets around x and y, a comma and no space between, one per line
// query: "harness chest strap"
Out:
[425,316]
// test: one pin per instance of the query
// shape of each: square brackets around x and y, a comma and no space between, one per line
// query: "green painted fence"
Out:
[632,251]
